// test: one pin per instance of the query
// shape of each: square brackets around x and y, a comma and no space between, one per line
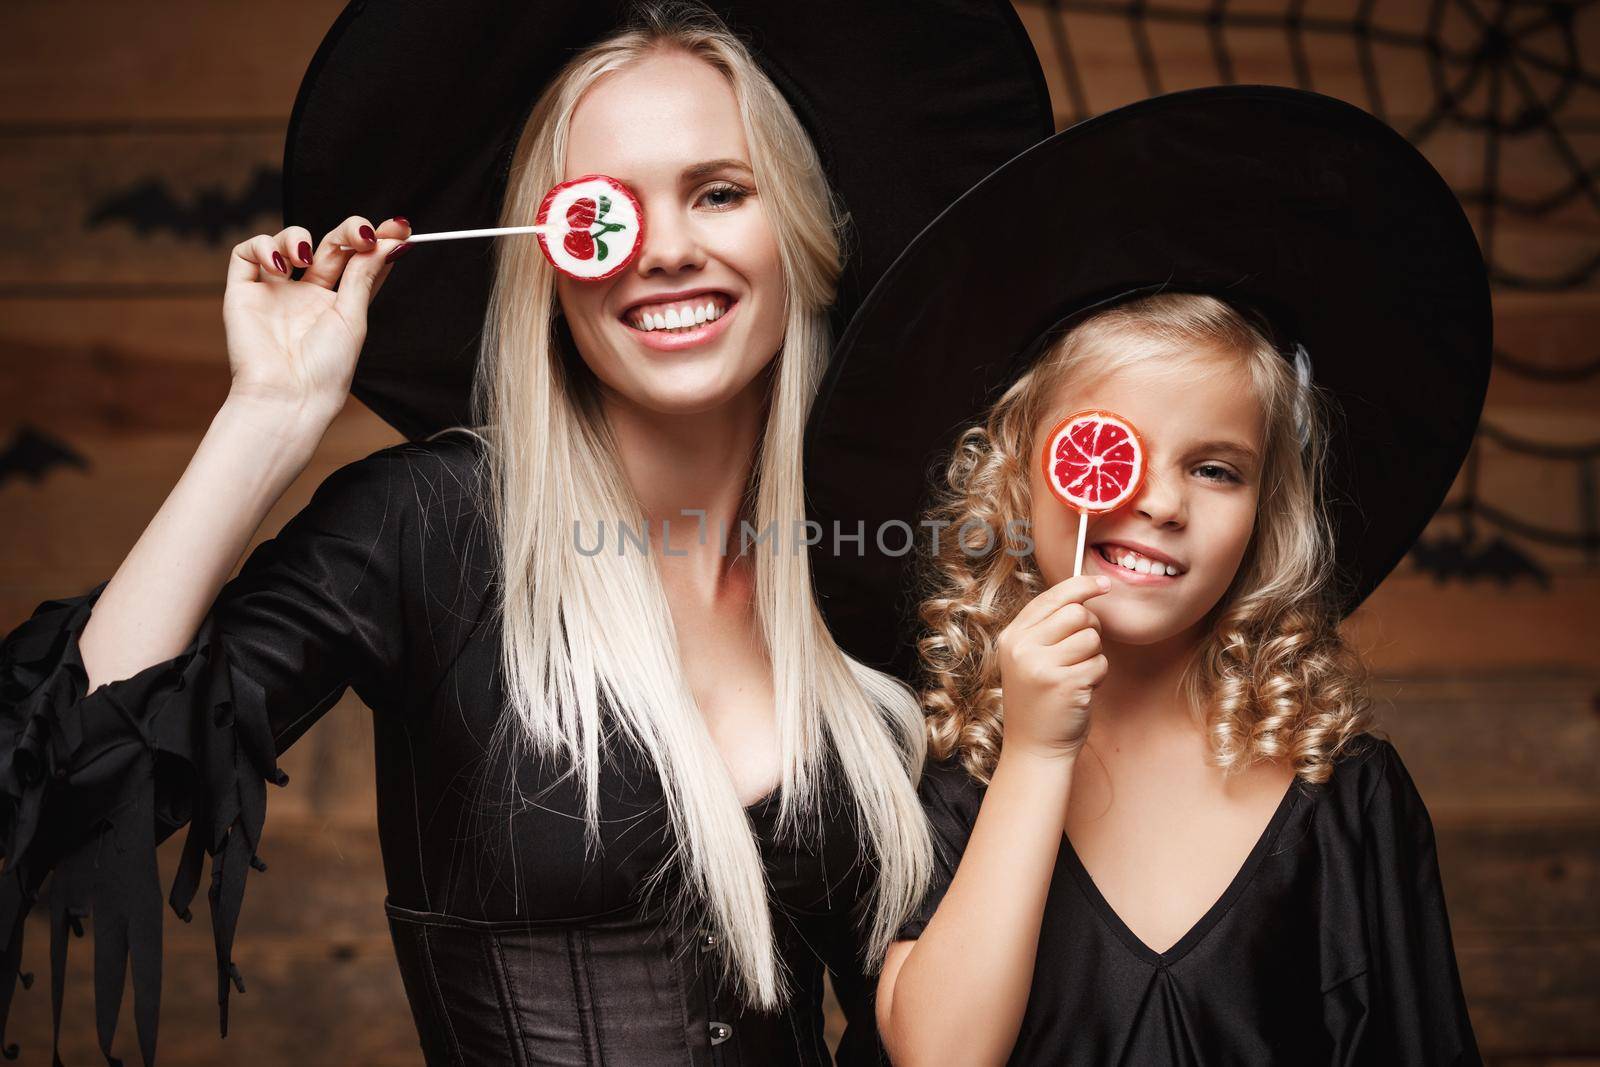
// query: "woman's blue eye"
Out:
[1226,475]
[725,196]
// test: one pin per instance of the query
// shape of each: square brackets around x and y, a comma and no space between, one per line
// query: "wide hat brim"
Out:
[413,107]
[1300,206]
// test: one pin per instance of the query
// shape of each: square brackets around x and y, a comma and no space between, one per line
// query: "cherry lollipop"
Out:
[1093,462]
[604,227]
[589,228]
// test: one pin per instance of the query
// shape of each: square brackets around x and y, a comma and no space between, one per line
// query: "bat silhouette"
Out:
[1457,558]
[151,206]
[32,454]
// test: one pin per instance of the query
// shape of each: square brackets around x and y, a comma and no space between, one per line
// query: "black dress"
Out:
[514,946]
[1330,946]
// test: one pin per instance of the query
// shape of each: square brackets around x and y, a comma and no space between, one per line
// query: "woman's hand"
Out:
[1050,665]
[294,344]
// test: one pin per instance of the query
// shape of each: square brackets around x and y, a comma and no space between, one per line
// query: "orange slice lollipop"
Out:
[1094,461]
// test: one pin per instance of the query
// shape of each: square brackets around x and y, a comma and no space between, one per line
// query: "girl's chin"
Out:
[1134,628]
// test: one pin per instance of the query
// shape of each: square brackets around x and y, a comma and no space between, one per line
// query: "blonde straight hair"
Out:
[587,632]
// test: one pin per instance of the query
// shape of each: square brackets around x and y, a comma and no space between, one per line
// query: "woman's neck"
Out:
[690,463]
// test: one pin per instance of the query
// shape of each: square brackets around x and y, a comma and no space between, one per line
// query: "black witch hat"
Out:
[1303,209]
[415,107]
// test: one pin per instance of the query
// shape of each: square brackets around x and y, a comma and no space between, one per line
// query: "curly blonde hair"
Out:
[1273,678]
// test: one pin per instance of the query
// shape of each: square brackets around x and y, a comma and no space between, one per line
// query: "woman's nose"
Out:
[670,245]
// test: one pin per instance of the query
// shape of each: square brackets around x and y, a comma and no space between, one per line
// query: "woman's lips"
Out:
[677,340]
[1117,570]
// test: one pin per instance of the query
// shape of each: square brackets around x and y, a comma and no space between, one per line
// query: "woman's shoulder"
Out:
[430,484]
[448,465]
[408,514]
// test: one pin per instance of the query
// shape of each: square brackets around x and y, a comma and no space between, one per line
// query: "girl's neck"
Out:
[1141,691]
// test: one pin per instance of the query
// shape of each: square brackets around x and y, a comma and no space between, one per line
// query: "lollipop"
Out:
[1093,462]
[597,229]
[604,227]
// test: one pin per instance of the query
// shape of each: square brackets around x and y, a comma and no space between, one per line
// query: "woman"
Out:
[592,765]
[1165,831]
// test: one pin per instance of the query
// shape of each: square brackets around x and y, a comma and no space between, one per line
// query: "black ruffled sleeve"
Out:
[950,799]
[91,783]
[1408,1006]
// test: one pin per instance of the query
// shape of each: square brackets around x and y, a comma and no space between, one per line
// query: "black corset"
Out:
[624,990]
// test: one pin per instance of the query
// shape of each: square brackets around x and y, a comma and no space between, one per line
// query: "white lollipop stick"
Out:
[451,235]
[1083,530]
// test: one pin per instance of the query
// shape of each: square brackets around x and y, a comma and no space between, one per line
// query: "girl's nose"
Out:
[1160,500]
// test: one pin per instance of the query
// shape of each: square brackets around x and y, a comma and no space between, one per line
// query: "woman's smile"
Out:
[672,322]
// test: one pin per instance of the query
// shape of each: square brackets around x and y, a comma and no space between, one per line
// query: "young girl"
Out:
[633,804]
[1166,832]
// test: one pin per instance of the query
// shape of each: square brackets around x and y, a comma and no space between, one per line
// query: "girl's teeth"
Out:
[1146,566]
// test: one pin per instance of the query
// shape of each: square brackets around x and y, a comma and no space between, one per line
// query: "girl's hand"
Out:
[295,343]
[1050,665]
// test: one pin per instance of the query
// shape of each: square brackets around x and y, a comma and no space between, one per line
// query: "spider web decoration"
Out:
[1500,97]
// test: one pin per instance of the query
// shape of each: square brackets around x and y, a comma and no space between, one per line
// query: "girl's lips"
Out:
[677,340]
[1117,570]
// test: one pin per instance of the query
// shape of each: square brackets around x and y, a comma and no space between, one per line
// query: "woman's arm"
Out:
[154,603]
[957,993]
[292,351]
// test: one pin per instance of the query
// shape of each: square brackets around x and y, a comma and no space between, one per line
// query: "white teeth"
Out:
[1134,562]
[677,317]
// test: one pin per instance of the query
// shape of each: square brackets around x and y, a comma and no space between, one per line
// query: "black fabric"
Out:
[1331,945]
[1303,208]
[413,107]
[514,946]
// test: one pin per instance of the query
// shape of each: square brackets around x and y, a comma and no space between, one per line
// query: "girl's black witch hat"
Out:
[1308,210]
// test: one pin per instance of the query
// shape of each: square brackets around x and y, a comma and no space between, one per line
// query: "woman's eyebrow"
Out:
[700,171]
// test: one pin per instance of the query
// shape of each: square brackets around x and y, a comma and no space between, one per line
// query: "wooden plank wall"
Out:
[139,142]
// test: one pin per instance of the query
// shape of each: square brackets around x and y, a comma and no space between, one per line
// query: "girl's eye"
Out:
[1223,474]
[723,196]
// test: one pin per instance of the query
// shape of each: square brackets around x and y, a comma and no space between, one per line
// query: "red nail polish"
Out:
[277,261]
[367,234]
[398,249]
[402,220]
[305,251]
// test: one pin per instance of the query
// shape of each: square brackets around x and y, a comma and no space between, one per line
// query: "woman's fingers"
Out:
[295,244]
[328,263]
[360,238]
[362,277]
[402,229]
[258,259]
